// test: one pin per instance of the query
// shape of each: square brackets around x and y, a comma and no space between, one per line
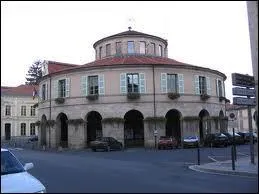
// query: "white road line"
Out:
[212,159]
[242,154]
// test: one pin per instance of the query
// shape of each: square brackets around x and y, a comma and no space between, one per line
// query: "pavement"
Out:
[243,167]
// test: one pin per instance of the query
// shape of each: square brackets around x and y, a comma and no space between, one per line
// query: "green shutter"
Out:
[67,87]
[208,86]
[123,83]
[163,82]
[197,86]
[83,85]
[142,82]
[55,87]
[180,83]
[101,84]
[217,87]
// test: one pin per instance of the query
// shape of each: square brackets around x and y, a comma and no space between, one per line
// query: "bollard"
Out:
[234,145]
[232,157]
[198,150]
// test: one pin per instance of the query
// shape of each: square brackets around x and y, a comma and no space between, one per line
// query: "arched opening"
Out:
[173,124]
[221,121]
[204,125]
[7,131]
[43,131]
[63,130]
[94,126]
[133,129]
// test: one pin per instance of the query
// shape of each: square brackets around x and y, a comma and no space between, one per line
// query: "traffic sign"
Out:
[243,91]
[155,133]
[243,80]
[232,115]
[244,101]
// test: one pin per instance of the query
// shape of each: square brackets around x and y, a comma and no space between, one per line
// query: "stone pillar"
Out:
[114,129]
[53,140]
[76,135]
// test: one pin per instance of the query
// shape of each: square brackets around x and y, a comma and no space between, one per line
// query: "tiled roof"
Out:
[22,90]
[129,33]
[54,66]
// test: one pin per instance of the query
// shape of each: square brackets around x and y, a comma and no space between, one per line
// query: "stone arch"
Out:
[204,124]
[173,124]
[43,130]
[133,129]
[62,130]
[93,126]
[221,121]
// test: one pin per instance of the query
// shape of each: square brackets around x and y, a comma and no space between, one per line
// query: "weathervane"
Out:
[131,24]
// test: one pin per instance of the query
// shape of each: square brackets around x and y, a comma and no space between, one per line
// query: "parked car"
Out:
[216,139]
[33,138]
[238,139]
[246,136]
[190,141]
[106,143]
[166,142]
[15,178]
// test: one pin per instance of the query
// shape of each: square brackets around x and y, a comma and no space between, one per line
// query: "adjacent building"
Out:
[18,113]
[131,90]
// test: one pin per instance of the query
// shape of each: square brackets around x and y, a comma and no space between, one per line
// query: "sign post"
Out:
[247,82]
[155,134]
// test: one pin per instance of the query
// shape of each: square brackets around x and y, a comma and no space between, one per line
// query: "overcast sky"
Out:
[208,34]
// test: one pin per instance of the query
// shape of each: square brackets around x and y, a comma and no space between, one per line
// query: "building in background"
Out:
[18,116]
[131,90]
[240,123]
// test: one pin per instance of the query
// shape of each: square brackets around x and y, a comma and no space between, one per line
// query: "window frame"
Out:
[160,50]
[100,52]
[153,48]
[106,47]
[144,48]
[60,91]
[32,129]
[118,48]
[176,84]
[23,129]
[202,85]
[132,84]
[91,83]
[23,110]
[33,111]
[128,47]
[43,92]
[7,110]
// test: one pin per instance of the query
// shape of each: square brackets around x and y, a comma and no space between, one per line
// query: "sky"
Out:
[212,34]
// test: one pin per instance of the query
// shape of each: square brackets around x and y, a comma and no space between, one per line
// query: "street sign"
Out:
[244,101]
[232,115]
[243,80]
[243,91]
[155,133]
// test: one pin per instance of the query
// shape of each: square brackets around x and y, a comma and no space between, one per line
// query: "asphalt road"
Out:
[134,170]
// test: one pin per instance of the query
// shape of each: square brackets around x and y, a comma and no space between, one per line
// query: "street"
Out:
[134,170]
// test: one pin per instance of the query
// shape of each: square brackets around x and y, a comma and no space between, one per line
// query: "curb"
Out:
[224,172]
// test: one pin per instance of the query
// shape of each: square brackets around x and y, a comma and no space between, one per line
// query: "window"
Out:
[8,110]
[32,111]
[130,47]
[43,95]
[108,49]
[23,128]
[100,52]
[32,129]
[172,83]
[220,93]
[23,111]
[142,47]
[160,51]
[62,88]
[202,85]
[118,48]
[133,82]
[153,49]
[93,84]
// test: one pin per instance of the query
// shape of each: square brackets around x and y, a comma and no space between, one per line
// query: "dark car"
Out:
[216,139]
[33,138]
[166,142]
[246,136]
[106,144]
[238,139]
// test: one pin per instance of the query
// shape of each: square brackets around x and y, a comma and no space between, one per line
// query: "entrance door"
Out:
[7,131]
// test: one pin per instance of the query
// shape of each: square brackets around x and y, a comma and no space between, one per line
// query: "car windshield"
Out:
[191,137]
[9,164]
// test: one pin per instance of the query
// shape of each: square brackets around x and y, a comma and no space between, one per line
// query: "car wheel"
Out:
[121,147]
[93,149]
[108,149]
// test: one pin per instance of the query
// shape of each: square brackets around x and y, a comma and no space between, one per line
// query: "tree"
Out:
[34,73]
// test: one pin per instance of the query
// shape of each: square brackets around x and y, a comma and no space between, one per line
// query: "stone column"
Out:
[76,135]
[114,128]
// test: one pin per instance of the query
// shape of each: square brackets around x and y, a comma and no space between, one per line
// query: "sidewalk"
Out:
[243,167]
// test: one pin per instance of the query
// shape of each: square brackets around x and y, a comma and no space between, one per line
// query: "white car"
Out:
[190,141]
[15,178]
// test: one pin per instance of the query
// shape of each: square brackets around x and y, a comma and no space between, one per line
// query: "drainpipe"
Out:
[154,100]
[49,106]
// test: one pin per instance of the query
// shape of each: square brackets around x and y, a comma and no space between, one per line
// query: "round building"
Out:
[130,91]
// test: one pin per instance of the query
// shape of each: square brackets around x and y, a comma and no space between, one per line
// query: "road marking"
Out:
[242,154]
[213,159]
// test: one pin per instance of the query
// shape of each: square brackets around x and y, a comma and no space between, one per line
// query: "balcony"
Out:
[133,95]
[173,95]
